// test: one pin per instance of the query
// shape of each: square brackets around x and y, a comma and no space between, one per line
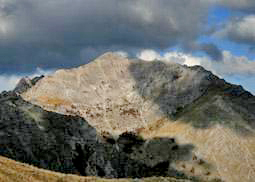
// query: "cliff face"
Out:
[157,100]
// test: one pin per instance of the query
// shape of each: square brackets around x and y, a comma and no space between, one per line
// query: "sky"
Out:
[38,37]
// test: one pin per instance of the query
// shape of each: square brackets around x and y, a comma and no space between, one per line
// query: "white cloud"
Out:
[122,53]
[177,57]
[240,30]
[181,58]
[234,65]
[148,55]
[230,65]
[8,82]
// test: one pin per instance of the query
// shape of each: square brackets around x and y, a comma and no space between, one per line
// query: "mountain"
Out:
[116,94]
[146,119]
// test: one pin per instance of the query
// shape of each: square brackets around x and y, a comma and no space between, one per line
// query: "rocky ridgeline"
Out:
[25,83]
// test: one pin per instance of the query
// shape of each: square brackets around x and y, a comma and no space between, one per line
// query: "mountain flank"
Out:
[68,144]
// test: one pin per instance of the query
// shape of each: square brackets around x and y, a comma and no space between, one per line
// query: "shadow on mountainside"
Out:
[194,95]
[69,144]
[133,157]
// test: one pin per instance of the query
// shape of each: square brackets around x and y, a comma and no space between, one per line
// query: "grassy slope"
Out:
[12,171]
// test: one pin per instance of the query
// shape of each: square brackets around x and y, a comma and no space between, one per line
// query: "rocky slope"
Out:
[69,144]
[32,135]
[157,99]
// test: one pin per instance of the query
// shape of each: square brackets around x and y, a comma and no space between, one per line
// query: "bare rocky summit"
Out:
[116,94]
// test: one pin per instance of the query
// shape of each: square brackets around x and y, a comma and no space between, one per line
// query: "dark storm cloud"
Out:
[247,6]
[237,5]
[210,49]
[56,33]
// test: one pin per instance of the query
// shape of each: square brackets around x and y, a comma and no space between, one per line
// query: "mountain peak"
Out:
[127,94]
[111,56]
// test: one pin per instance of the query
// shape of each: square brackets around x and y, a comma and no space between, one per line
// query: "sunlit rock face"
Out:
[156,99]
[116,94]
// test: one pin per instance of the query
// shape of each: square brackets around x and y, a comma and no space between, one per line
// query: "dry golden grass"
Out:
[12,171]
[231,155]
[54,101]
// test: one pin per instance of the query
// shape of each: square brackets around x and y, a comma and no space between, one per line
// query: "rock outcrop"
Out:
[25,83]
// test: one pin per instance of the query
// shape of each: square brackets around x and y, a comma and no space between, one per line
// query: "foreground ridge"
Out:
[12,171]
